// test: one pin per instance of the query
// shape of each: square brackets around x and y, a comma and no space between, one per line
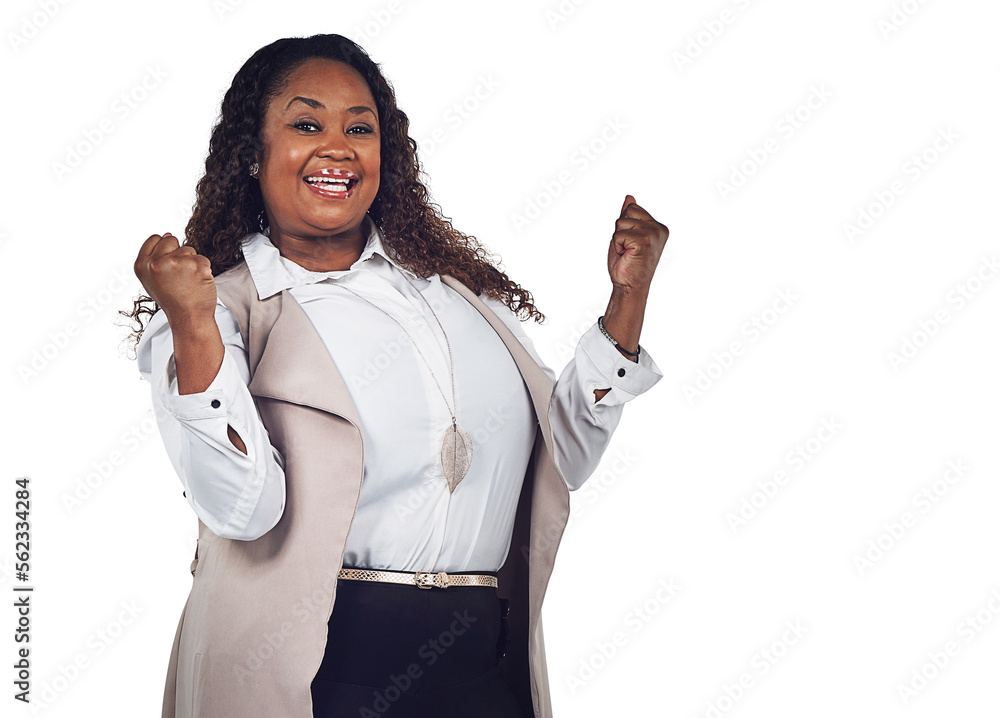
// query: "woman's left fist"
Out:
[635,247]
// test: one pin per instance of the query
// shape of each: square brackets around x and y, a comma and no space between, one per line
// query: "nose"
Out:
[336,147]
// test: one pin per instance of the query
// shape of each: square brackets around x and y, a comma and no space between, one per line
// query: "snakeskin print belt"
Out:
[423,579]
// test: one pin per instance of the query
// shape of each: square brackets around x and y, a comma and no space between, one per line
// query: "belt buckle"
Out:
[426,579]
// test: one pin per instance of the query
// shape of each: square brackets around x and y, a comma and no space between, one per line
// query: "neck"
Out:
[321,254]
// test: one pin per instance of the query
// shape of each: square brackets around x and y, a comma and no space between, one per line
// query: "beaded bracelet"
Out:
[600,323]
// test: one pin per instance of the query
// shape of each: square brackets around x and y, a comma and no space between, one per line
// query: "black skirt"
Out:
[409,652]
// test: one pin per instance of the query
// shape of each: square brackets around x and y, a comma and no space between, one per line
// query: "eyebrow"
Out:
[316,104]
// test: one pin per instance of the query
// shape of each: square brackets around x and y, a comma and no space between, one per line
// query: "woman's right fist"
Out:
[177,278]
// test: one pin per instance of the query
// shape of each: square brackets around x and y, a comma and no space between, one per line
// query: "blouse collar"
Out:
[272,272]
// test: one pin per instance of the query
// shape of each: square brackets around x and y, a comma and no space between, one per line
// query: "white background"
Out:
[692,106]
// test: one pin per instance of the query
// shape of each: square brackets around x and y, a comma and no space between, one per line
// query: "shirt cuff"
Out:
[216,401]
[608,367]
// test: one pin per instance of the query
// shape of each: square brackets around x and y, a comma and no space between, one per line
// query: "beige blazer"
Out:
[253,630]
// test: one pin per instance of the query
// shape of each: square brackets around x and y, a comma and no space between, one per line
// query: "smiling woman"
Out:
[319,171]
[349,560]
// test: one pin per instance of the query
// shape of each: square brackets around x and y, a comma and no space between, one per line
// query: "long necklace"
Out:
[456,446]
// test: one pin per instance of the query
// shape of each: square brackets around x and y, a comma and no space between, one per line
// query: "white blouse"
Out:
[406,518]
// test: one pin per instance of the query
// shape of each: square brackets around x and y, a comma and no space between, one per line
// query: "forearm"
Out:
[198,354]
[623,321]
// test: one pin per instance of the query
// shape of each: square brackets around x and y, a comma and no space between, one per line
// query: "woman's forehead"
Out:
[325,76]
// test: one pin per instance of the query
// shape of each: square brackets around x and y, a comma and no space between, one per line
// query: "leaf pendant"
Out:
[456,454]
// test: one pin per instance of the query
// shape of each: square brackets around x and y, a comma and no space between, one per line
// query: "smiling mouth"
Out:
[334,187]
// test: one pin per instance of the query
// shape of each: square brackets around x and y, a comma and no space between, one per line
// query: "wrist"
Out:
[191,324]
[628,295]
[631,355]
[623,317]
[196,339]
[627,355]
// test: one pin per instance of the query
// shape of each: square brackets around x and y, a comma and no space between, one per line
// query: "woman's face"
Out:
[323,126]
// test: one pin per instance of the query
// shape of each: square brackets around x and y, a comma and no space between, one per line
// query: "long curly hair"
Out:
[229,204]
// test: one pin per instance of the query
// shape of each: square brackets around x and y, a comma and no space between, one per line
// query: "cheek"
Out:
[285,156]
[375,168]
[280,172]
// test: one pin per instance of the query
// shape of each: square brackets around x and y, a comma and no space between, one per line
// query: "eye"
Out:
[304,124]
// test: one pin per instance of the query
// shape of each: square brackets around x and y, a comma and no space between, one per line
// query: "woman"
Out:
[378,458]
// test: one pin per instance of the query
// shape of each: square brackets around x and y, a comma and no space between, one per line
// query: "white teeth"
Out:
[327,180]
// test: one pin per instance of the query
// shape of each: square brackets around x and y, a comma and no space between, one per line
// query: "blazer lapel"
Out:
[292,356]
